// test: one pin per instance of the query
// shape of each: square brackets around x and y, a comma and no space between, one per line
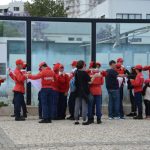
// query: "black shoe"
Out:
[20,119]
[13,115]
[45,121]
[85,123]
[131,114]
[99,121]
[138,117]
[90,121]
[25,115]
[76,123]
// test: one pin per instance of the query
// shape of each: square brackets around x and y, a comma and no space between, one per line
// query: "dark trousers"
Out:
[23,107]
[114,103]
[71,103]
[121,102]
[62,106]
[40,105]
[55,104]
[147,107]
[18,103]
[46,100]
[138,102]
[132,100]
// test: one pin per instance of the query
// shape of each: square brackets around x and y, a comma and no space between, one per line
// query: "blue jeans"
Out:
[97,101]
[114,103]
[121,103]
[138,102]
[46,101]
[90,107]
[55,95]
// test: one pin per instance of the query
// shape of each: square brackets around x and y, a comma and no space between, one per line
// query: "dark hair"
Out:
[112,62]
[45,65]
[80,64]
[94,65]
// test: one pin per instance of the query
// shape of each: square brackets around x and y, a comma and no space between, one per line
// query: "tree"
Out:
[45,8]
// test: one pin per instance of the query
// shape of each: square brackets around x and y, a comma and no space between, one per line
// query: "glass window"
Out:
[148,16]
[138,16]
[116,40]
[12,47]
[59,42]
[125,16]
[16,8]
[131,16]
[119,16]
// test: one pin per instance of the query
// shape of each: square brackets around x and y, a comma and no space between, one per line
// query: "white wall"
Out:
[110,8]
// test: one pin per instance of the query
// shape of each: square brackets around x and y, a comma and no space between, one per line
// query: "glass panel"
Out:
[119,16]
[125,16]
[129,41]
[148,16]
[12,46]
[59,42]
[131,16]
[138,16]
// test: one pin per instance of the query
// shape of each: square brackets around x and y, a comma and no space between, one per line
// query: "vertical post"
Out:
[93,41]
[28,59]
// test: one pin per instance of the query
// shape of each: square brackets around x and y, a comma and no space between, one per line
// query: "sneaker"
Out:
[70,118]
[77,123]
[85,123]
[117,118]
[90,121]
[45,121]
[132,114]
[99,121]
[20,119]
[138,117]
[13,115]
[110,118]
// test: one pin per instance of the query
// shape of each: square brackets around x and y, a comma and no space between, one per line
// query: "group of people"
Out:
[81,91]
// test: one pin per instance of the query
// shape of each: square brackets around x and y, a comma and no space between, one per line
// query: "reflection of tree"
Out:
[105,32]
[37,31]
[12,29]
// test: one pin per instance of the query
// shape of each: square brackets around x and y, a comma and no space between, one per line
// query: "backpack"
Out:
[72,85]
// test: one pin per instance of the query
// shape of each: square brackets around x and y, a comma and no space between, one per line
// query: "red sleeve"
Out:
[12,76]
[98,80]
[137,82]
[35,77]
[146,68]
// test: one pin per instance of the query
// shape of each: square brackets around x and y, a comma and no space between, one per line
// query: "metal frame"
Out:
[93,22]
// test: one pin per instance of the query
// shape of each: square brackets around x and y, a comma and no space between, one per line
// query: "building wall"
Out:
[110,8]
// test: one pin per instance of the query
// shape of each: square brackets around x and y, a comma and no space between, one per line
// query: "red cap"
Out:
[41,64]
[118,66]
[139,67]
[56,67]
[120,60]
[147,81]
[19,62]
[74,63]
[99,64]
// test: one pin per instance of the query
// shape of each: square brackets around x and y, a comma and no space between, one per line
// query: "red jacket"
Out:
[120,70]
[55,83]
[63,83]
[47,76]
[138,83]
[147,68]
[19,80]
[95,87]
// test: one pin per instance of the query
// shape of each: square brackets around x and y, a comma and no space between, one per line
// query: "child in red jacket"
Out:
[138,88]
[96,92]
[63,87]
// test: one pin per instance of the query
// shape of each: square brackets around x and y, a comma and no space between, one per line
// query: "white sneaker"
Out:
[117,118]
[110,118]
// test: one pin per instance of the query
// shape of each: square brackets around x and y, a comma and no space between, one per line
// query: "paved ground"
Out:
[64,135]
